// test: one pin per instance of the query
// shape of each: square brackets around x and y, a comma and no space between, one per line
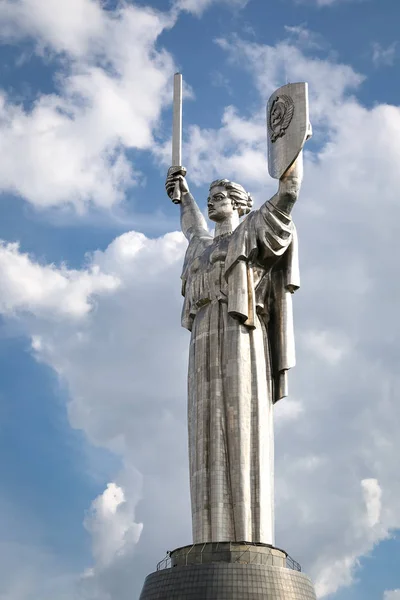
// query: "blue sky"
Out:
[93,360]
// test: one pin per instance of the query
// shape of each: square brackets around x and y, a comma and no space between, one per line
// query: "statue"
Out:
[237,287]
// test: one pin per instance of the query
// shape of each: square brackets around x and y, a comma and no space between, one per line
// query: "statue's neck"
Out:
[228,225]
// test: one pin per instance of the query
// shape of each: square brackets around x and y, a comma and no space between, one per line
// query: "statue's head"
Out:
[225,197]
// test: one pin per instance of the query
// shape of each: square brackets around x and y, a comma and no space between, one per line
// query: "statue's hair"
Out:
[242,199]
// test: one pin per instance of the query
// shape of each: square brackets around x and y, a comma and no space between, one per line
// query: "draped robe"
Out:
[237,304]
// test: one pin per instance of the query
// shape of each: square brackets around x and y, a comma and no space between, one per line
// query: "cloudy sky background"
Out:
[92,357]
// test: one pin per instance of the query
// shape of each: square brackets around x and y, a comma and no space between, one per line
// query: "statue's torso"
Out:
[206,273]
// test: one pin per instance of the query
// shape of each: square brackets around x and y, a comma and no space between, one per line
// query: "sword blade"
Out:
[177,122]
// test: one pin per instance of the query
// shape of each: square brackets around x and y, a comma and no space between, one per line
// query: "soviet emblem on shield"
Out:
[280,116]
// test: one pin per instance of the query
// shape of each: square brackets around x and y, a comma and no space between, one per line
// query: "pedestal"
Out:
[228,571]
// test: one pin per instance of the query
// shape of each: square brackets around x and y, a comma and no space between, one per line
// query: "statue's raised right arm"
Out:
[192,220]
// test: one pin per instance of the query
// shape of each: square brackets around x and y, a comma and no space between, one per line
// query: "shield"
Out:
[288,126]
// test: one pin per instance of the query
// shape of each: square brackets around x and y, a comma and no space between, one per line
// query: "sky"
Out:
[93,361]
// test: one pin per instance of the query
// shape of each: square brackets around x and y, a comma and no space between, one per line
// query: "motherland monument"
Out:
[237,286]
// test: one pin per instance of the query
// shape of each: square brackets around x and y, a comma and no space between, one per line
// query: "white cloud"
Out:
[274,66]
[197,7]
[373,500]
[291,409]
[235,148]
[326,346]
[102,357]
[65,27]
[392,595]
[69,148]
[383,56]
[46,290]
[132,331]
[302,37]
[111,523]
[323,3]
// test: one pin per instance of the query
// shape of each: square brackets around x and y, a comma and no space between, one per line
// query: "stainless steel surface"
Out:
[288,126]
[177,122]
[237,289]
[177,132]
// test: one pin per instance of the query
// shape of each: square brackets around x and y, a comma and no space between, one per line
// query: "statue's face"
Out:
[219,204]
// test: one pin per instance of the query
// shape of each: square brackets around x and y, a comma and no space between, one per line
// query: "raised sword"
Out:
[177,137]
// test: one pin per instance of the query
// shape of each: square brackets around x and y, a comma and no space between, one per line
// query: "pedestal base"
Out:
[233,572]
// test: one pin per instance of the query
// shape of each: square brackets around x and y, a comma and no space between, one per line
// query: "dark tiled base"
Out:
[227,581]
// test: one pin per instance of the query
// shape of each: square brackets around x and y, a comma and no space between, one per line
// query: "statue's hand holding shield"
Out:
[288,127]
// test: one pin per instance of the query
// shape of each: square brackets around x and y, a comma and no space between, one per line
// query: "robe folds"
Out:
[237,304]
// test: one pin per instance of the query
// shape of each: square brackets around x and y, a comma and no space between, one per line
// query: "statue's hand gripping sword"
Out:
[177,168]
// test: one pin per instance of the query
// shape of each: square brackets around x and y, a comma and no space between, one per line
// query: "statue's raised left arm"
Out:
[289,187]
